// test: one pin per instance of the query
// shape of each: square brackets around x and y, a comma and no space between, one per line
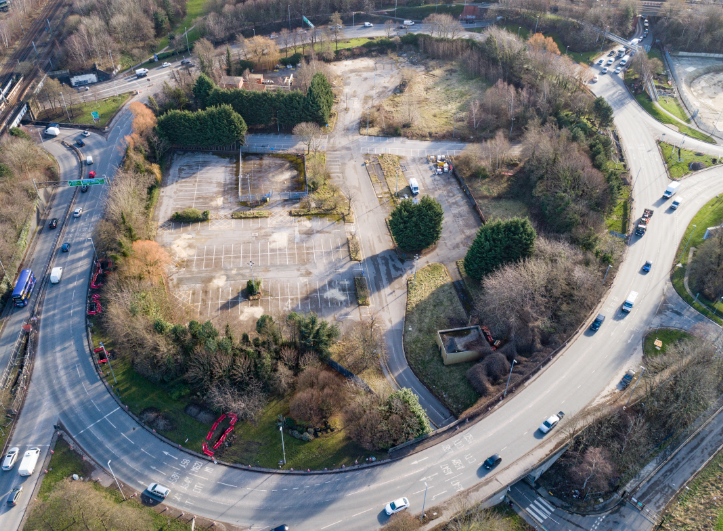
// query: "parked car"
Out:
[627,379]
[492,461]
[595,79]
[159,490]
[10,458]
[368,25]
[551,422]
[14,496]
[77,212]
[53,223]
[604,70]
[396,506]
[85,133]
[647,266]
[65,248]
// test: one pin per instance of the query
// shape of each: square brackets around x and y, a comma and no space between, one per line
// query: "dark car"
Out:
[65,248]
[492,461]
[53,223]
[597,323]
[84,188]
[280,528]
[14,495]
[80,143]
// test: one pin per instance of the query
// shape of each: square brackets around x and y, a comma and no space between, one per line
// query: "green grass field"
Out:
[708,216]
[80,113]
[618,220]
[432,304]
[667,335]
[345,43]
[656,113]
[674,107]
[419,13]
[679,169]
[64,463]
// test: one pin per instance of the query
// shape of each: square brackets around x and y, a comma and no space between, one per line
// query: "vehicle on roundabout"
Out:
[396,506]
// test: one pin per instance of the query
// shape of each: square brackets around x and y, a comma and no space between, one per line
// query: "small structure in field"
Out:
[231,82]
[458,345]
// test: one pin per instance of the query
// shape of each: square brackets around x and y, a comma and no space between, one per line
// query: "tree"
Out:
[477,378]
[337,27]
[319,100]
[603,111]
[707,267]
[595,470]
[497,243]
[201,89]
[416,226]
[229,62]
[389,26]
[215,126]
[314,333]
[204,50]
[310,134]
[540,42]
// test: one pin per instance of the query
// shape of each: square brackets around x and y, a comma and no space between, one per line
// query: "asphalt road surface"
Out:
[65,385]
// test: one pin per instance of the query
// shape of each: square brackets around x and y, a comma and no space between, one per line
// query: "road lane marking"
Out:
[97,421]
[124,435]
[340,521]
[226,484]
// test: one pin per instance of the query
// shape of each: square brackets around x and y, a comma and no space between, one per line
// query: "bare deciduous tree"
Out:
[310,134]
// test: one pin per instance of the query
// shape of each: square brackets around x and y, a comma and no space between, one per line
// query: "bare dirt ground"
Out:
[704,91]
[303,263]
[262,174]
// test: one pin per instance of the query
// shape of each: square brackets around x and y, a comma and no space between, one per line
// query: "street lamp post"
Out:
[508,378]
[716,306]
[566,48]
[116,480]
[686,245]
[538,20]
[107,358]
[518,31]
[414,279]
[5,273]
[636,384]
[281,429]
[289,17]
[188,46]
[421,518]
[253,282]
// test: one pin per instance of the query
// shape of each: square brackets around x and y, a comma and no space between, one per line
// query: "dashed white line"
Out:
[124,435]
[357,514]
[340,521]
[226,484]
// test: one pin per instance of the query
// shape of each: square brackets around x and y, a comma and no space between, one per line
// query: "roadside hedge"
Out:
[215,126]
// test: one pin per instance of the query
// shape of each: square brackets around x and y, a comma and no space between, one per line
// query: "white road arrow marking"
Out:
[169,455]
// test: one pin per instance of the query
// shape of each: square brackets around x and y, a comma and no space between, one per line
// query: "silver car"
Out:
[10,458]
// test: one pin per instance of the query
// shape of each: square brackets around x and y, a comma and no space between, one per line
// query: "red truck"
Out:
[644,222]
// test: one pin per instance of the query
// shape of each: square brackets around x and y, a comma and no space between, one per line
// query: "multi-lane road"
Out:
[65,385]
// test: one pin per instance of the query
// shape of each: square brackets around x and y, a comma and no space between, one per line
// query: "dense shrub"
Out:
[496,366]
[707,267]
[497,243]
[215,126]
[416,226]
[191,215]
[477,378]
[292,60]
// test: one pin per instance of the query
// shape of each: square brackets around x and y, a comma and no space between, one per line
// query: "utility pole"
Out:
[65,105]
[281,429]
[188,47]
[538,20]
[111,62]
[421,518]
[414,279]
[116,481]
[289,17]
[508,378]
[253,282]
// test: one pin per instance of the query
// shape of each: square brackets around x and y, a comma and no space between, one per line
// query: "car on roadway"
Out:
[78,212]
[647,266]
[10,458]
[604,70]
[396,506]
[158,490]
[368,25]
[610,61]
[595,79]
[612,52]
[551,422]
[53,223]
[65,248]
[79,143]
[85,133]
[280,528]
[165,65]
[492,461]
[14,496]
[91,174]
[618,70]
[601,61]
[597,323]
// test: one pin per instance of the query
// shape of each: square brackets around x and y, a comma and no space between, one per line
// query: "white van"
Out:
[676,203]
[409,23]
[624,60]
[30,459]
[414,186]
[88,160]
[628,304]
[56,274]
[159,490]
[52,131]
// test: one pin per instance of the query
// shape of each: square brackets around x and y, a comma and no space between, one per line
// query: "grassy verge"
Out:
[394,176]
[699,506]
[474,287]
[345,43]
[362,291]
[63,464]
[419,13]
[708,216]
[432,304]
[81,113]
[243,214]
[664,118]
[672,105]
[354,249]
[679,169]
[667,335]
[618,220]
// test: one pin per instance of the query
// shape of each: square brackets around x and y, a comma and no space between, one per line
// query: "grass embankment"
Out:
[619,218]
[679,169]
[664,118]
[257,444]
[81,113]
[710,215]
[396,181]
[66,462]
[699,506]
[432,304]
[497,196]
[671,104]
[668,336]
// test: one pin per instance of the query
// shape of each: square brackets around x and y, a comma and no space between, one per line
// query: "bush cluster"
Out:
[191,215]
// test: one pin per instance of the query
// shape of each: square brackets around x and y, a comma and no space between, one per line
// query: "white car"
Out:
[77,212]
[368,25]
[604,70]
[601,61]
[85,133]
[159,490]
[610,61]
[595,79]
[396,506]
[164,65]
[10,458]
[618,70]
[551,422]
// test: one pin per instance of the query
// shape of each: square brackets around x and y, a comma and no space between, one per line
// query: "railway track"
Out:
[25,52]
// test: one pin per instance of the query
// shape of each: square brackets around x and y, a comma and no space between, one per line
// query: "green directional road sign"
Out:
[307,21]
[88,182]
[95,116]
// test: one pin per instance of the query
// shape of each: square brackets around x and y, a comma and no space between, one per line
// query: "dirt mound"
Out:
[695,166]
[155,419]
[200,413]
